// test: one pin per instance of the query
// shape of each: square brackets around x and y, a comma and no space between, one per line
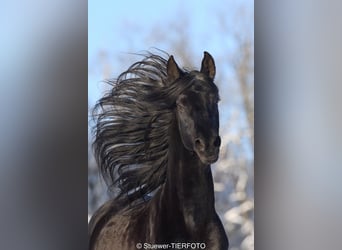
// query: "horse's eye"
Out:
[182,101]
[180,107]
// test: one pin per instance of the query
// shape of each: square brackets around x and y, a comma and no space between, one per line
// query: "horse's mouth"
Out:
[208,159]
[213,158]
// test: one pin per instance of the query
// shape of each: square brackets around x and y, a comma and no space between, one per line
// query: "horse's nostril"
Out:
[199,144]
[217,142]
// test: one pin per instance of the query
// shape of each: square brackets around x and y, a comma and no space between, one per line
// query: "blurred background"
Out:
[185,29]
[298,140]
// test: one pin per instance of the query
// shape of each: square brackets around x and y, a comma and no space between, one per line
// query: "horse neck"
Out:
[189,184]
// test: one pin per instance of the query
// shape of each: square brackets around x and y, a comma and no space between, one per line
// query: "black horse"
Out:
[156,134]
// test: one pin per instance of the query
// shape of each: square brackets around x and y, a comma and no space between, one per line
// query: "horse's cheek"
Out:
[187,129]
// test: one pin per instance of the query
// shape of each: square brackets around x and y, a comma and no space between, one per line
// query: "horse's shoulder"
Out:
[99,218]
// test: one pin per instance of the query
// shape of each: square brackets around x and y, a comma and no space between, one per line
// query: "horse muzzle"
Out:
[208,153]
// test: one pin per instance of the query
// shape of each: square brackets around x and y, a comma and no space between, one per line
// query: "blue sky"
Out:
[111,22]
[105,18]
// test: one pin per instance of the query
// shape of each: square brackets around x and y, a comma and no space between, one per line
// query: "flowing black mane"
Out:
[131,131]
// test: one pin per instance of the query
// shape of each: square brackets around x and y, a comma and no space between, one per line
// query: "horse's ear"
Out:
[208,65]
[173,71]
